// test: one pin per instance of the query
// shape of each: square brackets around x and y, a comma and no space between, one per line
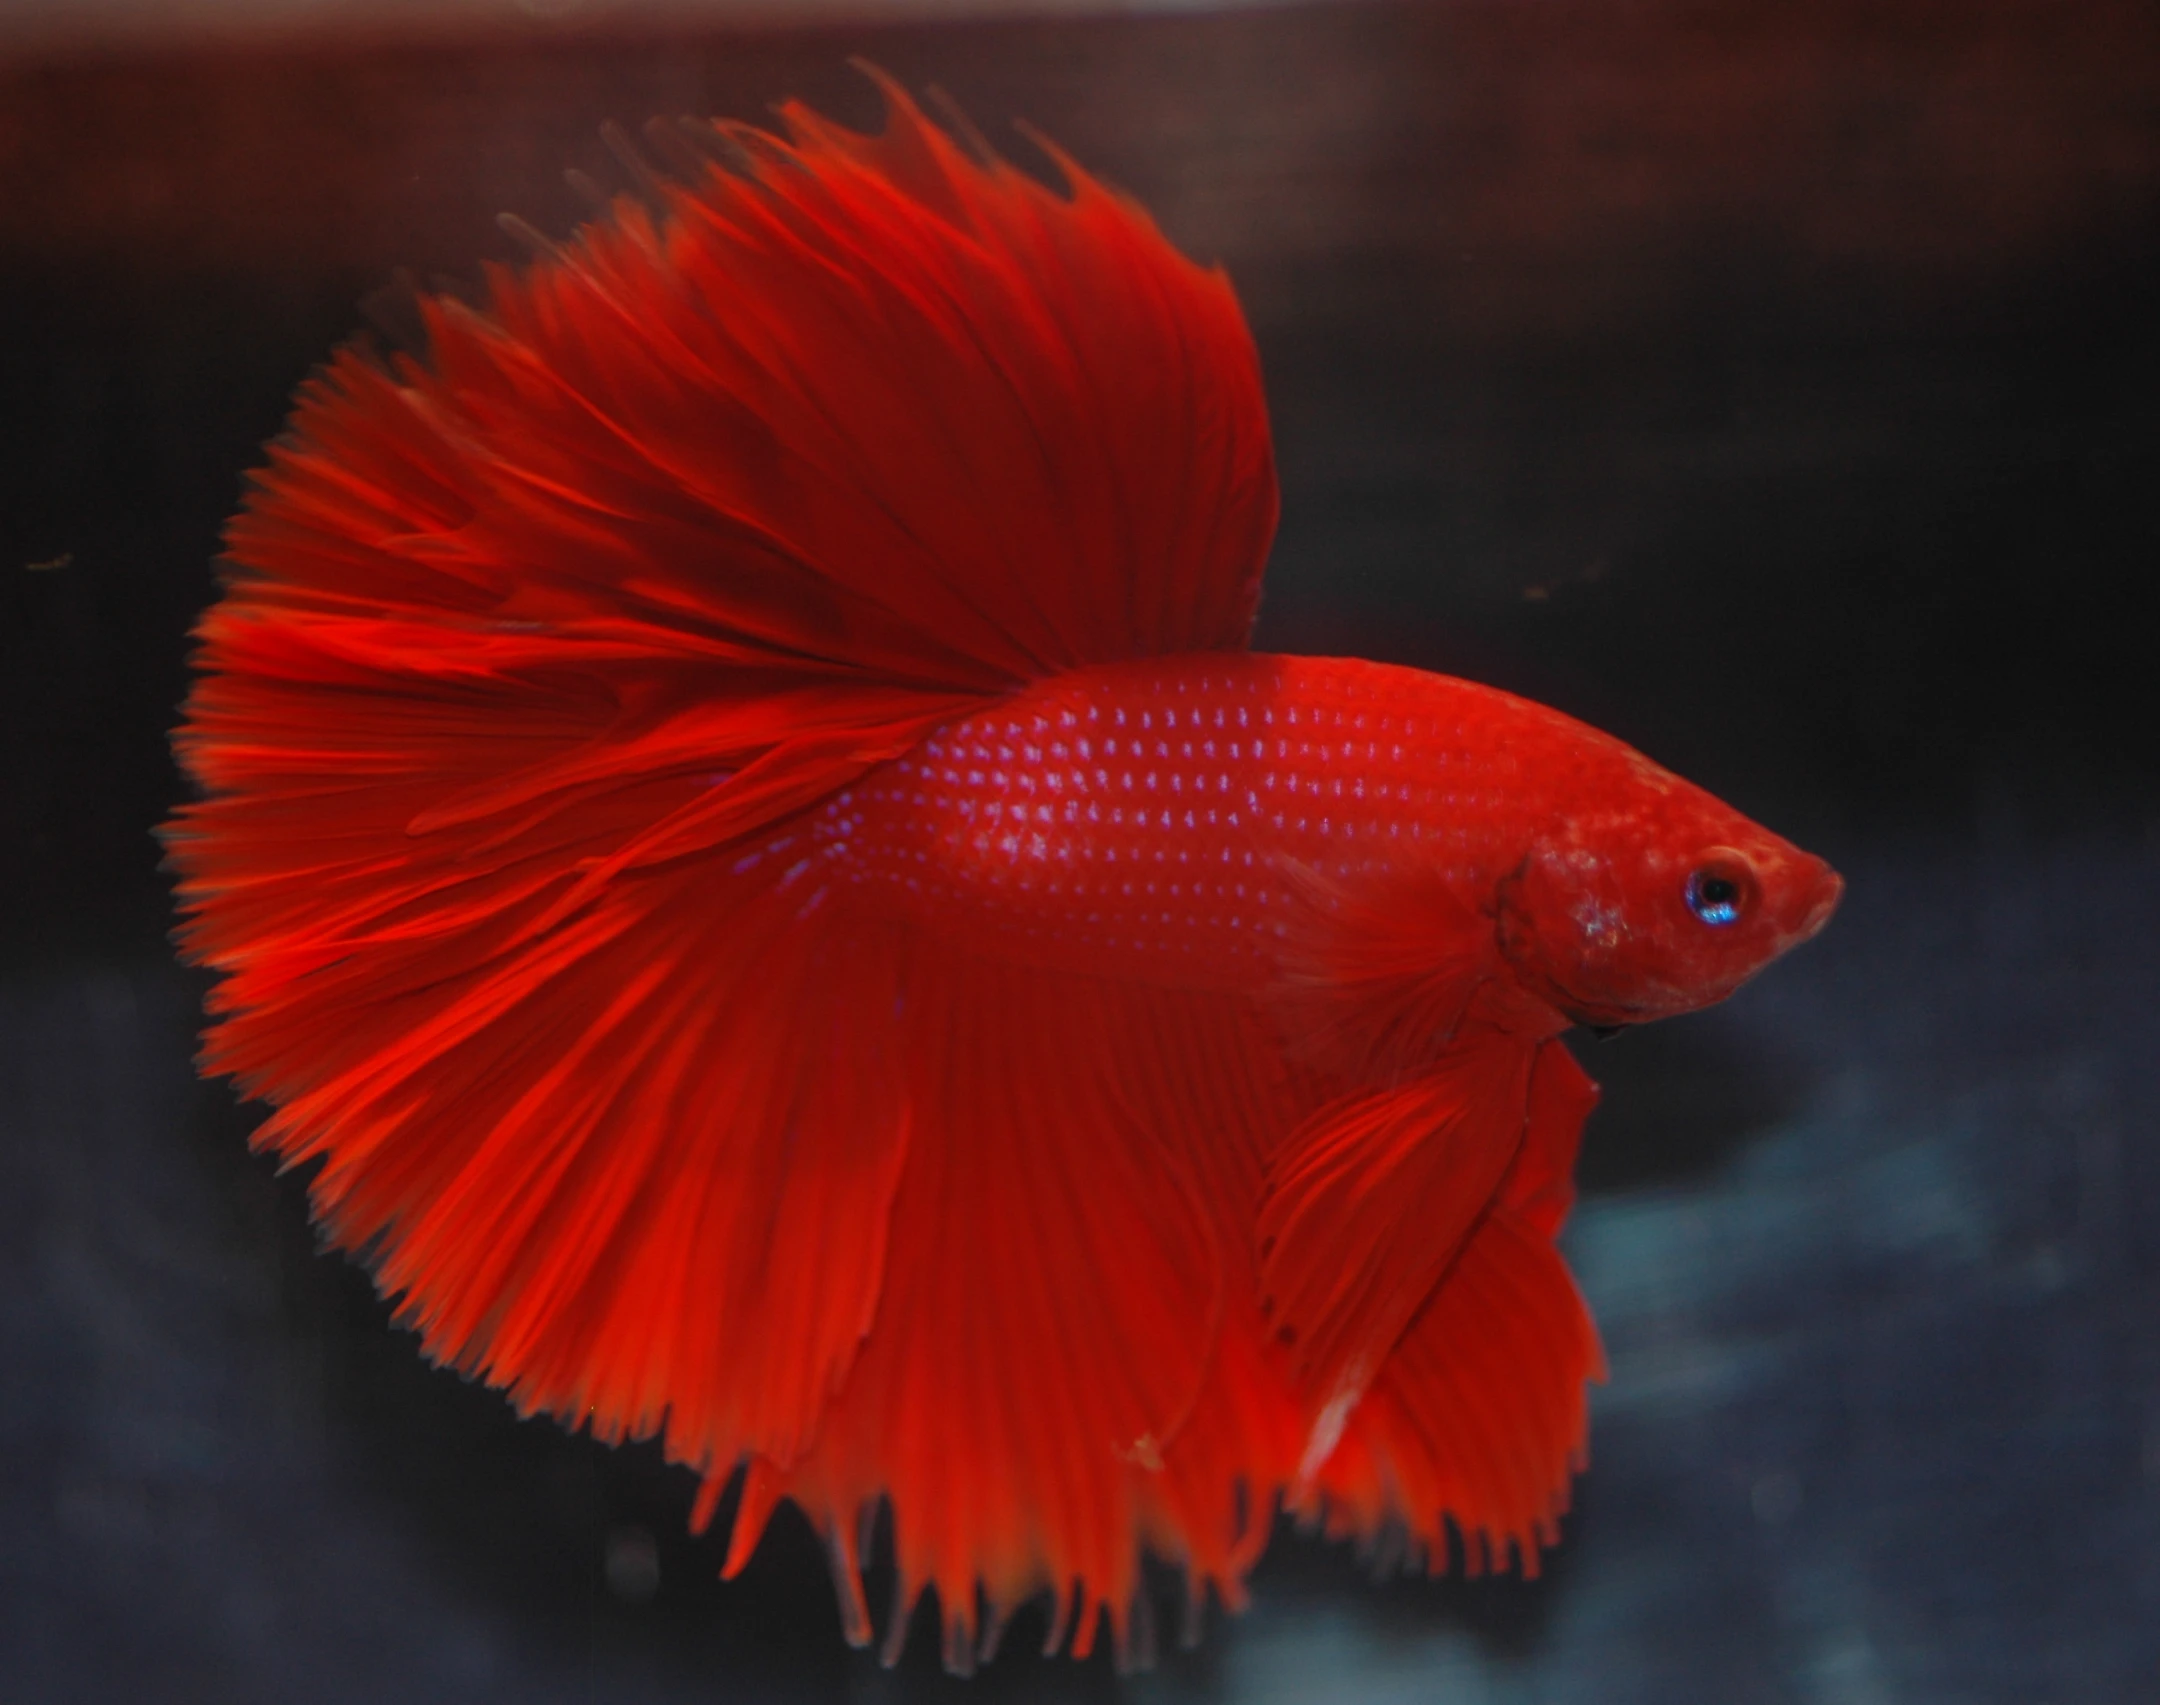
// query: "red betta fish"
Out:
[742,833]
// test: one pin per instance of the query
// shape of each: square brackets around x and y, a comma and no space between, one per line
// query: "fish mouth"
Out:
[1829,891]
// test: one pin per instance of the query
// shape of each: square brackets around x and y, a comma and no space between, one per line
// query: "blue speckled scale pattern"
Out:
[1138,819]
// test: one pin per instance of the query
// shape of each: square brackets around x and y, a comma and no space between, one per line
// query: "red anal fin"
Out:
[1368,1203]
[1479,1416]
[1042,1393]
[1541,1188]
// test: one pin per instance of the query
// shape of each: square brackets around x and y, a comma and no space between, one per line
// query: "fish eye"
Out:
[1716,895]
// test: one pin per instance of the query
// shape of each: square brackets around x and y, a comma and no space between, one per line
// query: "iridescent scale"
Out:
[1141,818]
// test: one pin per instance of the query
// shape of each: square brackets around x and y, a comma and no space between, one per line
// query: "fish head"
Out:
[1647,896]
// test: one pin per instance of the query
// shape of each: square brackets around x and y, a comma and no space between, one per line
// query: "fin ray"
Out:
[1064,1364]
[1370,1200]
[1479,1417]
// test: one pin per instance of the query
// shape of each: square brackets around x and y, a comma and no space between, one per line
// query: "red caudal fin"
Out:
[580,1159]
[531,657]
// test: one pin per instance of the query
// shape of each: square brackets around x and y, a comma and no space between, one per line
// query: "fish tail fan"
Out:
[588,1163]
[533,655]
[1065,1371]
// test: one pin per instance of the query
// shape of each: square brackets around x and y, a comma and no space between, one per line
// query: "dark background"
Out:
[1772,385]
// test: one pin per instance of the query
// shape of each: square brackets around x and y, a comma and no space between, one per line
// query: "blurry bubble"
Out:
[1776,1497]
[631,1562]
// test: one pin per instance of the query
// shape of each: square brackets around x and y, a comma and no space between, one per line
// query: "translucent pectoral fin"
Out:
[1373,975]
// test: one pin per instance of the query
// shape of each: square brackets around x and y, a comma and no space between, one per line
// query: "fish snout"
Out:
[1815,896]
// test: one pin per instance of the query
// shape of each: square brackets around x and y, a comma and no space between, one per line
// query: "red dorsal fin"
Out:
[1368,1203]
[705,515]
[872,404]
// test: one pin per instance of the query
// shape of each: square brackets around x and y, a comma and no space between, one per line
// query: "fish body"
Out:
[744,843]
[1168,820]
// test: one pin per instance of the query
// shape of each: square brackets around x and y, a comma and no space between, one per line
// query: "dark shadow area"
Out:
[1678,1100]
[1391,1597]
